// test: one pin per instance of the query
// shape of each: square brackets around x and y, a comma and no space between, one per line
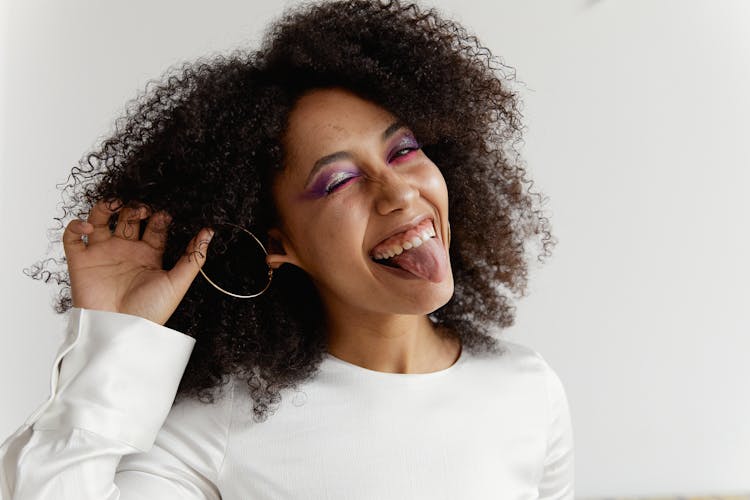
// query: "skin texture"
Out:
[209,143]
[374,317]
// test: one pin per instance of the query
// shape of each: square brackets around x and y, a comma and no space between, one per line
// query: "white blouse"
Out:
[488,426]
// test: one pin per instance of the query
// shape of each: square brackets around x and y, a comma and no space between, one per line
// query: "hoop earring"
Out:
[270,269]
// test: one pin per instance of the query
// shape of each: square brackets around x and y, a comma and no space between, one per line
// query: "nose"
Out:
[395,192]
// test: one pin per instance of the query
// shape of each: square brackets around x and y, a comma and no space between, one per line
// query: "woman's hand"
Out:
[123,273]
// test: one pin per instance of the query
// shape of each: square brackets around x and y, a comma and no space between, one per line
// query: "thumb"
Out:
[73,244]
[186,269]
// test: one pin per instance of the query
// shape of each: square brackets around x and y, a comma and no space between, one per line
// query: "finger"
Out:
[72,238]
[99,218]
[155,233]
[129,222]
[184,271]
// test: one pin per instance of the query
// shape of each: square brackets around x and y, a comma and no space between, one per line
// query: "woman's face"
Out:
[356,186]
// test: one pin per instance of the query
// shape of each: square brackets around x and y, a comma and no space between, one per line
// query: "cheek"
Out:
[335,235]
[433,184]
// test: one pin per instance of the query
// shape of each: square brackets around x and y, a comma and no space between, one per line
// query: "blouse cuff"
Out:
[116,375]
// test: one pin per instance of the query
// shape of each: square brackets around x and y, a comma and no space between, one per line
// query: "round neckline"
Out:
[410,376]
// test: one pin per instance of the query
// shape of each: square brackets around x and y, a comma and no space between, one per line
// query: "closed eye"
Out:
[403,152]
[338,181]
[406,145]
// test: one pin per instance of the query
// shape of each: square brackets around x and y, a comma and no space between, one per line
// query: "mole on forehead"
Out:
[332,131]
[314,131]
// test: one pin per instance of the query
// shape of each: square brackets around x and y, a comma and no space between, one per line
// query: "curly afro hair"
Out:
[205,142]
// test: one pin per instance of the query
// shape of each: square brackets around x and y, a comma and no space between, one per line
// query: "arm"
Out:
[117,373]
[558,474]
[112,387]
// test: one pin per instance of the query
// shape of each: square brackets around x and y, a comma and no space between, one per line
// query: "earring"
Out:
[270,270]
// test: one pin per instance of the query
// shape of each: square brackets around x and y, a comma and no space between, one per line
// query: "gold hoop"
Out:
[270,270]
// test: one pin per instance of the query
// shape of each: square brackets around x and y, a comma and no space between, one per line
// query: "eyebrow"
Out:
[344,155]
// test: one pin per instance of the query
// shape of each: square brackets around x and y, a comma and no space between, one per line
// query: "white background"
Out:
[637,115]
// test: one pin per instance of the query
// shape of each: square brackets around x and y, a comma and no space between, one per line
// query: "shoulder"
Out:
[520,372]
[530,361]
[516,358]
[551,392]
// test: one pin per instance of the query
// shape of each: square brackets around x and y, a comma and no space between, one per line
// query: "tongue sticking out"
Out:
[428,261]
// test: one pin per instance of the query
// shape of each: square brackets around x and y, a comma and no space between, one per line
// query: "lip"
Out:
[404,227]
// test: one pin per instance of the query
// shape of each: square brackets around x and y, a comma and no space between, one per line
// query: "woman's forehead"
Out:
[329,120]
[335,113]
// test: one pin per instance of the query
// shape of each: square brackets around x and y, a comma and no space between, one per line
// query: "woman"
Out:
[366,366]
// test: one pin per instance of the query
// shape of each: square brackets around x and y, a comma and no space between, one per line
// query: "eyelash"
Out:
[335,185]
[408,149]
[397,154]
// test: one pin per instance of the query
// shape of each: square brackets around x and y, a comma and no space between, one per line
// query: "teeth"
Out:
[415,242]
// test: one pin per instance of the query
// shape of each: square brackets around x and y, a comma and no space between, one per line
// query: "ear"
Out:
[280,250]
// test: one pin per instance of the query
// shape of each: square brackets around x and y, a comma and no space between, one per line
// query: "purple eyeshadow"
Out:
[318,189]
[324,180]
[406,141]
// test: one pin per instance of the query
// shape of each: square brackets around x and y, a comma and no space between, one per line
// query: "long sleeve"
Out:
[113,385]
[558,475]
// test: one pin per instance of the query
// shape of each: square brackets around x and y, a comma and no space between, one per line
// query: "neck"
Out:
[392,343]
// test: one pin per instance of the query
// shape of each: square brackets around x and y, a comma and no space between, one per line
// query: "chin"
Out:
[427,299]
[444,297]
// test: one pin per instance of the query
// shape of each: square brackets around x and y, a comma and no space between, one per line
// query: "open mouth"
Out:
[416,253]
[385,262]
[388,252]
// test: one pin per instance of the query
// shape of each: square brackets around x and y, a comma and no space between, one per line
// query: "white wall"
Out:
[638,116]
